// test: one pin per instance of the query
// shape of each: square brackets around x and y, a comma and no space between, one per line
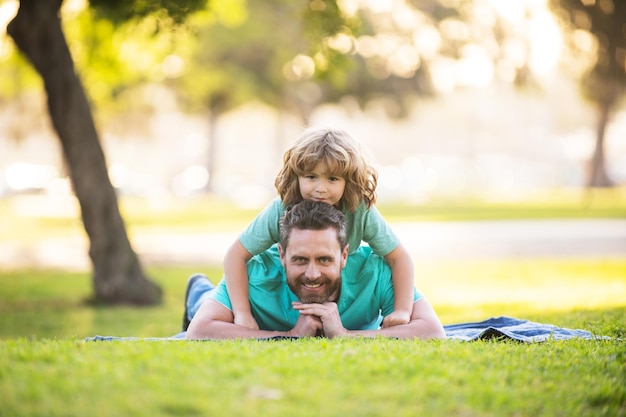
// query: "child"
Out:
[326,165]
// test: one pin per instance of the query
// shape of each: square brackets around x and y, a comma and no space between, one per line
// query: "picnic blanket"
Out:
[499,328]
[509,328]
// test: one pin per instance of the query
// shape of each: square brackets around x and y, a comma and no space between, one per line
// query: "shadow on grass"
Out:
[51,305]
[47,304]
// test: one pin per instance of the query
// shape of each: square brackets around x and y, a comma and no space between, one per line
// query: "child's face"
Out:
[321,185]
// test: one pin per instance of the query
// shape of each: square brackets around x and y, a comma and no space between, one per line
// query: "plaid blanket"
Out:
[500,328]
[509,328]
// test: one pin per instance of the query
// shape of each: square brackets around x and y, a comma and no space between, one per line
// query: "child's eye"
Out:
[335,179]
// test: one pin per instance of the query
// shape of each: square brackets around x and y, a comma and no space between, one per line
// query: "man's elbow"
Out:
[193,334]
[199,330]
[437,332]
[429,329]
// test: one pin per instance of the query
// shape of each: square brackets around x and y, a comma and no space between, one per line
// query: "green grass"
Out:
[40,304]
[47,369]
[312,377]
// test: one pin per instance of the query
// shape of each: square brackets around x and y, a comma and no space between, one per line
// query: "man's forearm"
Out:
[418,328]
[215,321]
[424,324]
[223,330]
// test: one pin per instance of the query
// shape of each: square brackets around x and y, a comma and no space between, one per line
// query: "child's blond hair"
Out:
[343,155]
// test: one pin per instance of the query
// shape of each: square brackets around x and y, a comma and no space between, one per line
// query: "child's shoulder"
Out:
[275,205]
[362,209]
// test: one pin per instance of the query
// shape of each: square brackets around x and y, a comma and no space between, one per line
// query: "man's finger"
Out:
[301,306]
[315,311]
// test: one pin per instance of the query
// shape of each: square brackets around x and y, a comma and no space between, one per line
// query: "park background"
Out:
[458,102]
[483,118]
[493,105]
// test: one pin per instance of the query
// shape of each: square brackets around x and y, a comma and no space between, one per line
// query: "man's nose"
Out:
[312,271]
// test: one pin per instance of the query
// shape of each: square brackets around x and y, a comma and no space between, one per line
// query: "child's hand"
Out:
[396,318]
[246,320]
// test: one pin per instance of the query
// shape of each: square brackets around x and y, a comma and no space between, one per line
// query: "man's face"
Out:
[313,261]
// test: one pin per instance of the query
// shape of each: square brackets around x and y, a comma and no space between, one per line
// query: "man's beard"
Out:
[330,293]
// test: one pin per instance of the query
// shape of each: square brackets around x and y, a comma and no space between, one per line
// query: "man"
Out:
[305,287]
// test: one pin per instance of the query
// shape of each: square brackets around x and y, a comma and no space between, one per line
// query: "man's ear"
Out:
[344,255]
[282,254]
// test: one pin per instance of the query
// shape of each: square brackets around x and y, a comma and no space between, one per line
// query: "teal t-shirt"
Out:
[366,292]
[363,225]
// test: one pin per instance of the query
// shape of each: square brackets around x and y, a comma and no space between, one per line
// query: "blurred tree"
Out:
[385,62]
[19,83]
[296,56]
[268,53]
[605,80]
[242,66]
[424,47]
[37,31]
[421,48]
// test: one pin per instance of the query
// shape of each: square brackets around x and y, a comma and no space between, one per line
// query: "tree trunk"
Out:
[117,274]
[597,175]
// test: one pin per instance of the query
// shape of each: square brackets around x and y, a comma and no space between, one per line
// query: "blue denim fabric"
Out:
[199,291]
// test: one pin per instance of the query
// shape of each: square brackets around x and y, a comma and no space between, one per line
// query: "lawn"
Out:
[48,369]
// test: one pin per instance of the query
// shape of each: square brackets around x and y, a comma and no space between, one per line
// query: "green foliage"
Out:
[115,58]
[235,58]
[17,76]
[232,58]
[323,19]
[124,10]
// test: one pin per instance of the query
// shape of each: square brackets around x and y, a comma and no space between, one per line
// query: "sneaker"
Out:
[190,283]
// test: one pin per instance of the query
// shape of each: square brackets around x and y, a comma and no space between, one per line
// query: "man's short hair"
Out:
[312,215]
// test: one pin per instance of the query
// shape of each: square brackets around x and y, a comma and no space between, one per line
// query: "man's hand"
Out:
[307,325]
[396,317]
[327,314]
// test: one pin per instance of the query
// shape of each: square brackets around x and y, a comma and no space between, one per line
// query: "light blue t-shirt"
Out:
[366,292]
[363,225]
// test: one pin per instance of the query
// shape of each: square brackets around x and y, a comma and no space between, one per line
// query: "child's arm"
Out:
[236,275]
[401,266]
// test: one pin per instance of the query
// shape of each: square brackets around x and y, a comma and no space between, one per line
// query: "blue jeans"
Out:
[198,292]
